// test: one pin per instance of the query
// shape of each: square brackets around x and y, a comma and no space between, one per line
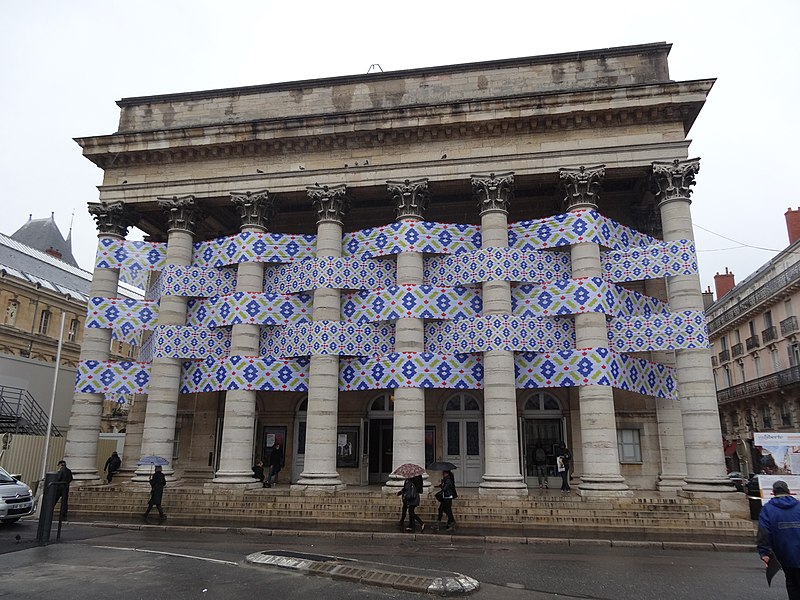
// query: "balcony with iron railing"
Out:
[768,383]
[714,361]
[748,303]
[769,334]
[724,356]
[789,325]
[752,342]
[737,349]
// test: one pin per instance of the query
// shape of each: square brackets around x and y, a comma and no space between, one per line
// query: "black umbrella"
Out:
[441,465]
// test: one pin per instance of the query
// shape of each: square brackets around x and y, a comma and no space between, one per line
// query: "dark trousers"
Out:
[446,508]
[792,582]
[412,517]
[63,495]
[564,480]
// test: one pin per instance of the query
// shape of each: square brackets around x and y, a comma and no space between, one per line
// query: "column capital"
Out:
[673,179]
[112,218]
[411,197]
[182,212]
[581,186]
[256,209]
[330,202]
[493,192]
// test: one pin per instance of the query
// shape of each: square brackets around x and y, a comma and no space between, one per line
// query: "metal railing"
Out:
[714,361]
[769,334]
[768,383]
[749,302]
[724,356]
[20,413]
[789,325]
[737,349]
[752,342]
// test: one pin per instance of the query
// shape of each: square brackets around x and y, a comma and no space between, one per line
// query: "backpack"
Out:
[539,456]
[411,495]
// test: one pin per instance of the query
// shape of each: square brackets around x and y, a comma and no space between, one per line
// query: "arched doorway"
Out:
[463,438]
[542,423]
[379,444]
[300,436]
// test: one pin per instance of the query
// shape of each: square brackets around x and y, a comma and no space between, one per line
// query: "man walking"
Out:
[779,535]
[62,488]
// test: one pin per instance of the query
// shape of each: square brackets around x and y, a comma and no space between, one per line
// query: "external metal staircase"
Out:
[21,414]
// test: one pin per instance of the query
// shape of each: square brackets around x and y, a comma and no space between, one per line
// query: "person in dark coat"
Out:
[157,484]
[410,496]
[562,463]
[445,496]
[540,464]
[275,464]
[112,466]
[258,472]
[779,535]
[62,488]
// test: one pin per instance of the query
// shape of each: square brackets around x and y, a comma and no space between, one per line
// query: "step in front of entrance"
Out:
[564,516]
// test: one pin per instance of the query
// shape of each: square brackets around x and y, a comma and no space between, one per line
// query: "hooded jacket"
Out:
[779,530]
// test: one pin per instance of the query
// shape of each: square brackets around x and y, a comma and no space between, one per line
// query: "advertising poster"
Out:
[779,460]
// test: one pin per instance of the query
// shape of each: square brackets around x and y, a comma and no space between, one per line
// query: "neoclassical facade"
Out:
[457,263]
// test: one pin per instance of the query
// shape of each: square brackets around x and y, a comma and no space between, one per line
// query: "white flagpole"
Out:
[52,399]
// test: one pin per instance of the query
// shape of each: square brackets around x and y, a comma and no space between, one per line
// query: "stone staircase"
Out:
[646,517]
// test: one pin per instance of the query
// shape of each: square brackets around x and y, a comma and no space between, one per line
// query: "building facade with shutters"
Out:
[458,263]
[755,344]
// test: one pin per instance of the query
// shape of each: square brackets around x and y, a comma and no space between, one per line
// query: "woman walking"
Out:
[157,484]
[410,496]
[563,467]
[445,496]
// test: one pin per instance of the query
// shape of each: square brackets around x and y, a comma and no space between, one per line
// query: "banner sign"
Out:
[780,460]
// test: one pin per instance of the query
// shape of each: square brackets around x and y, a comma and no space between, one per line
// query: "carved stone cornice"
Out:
[673,179]
[581,186]
[112,218]
[182,212]
[493,191]
[411,198]
[256,209]
[331,203]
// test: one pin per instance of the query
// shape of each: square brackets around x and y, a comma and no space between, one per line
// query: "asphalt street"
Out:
[92,563]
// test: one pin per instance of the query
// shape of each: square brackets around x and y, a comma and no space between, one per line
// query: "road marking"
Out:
[213,560]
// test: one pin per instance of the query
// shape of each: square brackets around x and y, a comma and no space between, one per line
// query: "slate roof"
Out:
[30,264]
[43,234]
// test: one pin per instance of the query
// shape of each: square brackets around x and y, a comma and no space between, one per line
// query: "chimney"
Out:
[724,283]
[708,297]
[54,253]
[793,224]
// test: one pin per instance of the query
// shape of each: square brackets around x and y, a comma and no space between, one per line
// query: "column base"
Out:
[604,487]
[734,504]
[144,473]
[395,483]
[86,477]
[670,483]
[236,478]
[321,483]
[719,485]
[499,486]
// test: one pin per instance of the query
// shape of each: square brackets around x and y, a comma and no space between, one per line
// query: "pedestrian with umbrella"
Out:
[410,494]
[157,484]
[446,494]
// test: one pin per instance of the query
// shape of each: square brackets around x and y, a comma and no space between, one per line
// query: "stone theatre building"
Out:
[457,263]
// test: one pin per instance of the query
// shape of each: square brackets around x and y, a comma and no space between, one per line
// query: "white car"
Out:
[16,498]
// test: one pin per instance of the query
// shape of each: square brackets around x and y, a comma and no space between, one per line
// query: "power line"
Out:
[741,244]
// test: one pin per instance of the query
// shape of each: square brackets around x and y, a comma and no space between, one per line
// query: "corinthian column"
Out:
[319,473]
[502,474]
[113,220]
[705,461]
[411,198]
[158,433]
[600,472]
[236,453]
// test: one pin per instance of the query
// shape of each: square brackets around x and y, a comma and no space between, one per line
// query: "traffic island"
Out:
[409,579]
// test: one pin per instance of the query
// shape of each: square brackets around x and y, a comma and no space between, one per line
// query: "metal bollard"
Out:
[51,486]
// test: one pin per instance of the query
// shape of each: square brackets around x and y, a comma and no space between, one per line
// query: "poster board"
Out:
[781,459]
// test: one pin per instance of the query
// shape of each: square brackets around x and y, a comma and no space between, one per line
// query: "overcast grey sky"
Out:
[64,64]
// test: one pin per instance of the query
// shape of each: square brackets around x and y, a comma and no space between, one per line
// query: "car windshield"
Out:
[5,477]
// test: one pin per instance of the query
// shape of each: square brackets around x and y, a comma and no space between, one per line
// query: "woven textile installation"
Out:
[540,329]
